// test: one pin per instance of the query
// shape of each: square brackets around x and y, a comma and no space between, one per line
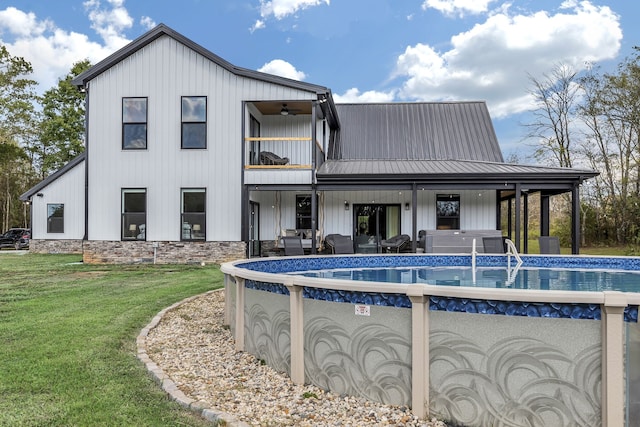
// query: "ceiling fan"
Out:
[286,111]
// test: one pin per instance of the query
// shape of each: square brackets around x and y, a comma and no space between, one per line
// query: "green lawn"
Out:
[67,340]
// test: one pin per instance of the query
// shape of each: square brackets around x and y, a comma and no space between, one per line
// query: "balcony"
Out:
[279,147]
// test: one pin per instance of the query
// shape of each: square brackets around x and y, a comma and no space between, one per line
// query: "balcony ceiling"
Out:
[274,107]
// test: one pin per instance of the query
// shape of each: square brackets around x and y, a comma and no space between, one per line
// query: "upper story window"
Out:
[194,214]
[134,214]
[134,123]
[448,212]
[55,218]
[194,122]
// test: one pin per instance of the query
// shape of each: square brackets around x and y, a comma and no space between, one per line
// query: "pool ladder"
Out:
[511,251]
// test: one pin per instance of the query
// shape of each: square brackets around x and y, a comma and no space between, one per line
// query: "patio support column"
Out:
[314,192]
[613,381]
[314,218]
[525,225]
[296,313]
[575,219]
[518,216]
[240,314]
[498,210]
[414,218]
[544,214]
[510,218]
[419,350]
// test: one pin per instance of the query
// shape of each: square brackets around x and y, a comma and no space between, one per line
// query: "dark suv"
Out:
[17,238]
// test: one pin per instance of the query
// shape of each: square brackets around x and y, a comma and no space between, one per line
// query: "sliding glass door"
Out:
[373,223]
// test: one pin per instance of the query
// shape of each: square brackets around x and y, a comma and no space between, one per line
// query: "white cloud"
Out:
[21,24]
[282,68]
[257,26]
[353,95]
[111,22]
[148,22]
[280,9]
[492,61]
[52,51]
[458,7]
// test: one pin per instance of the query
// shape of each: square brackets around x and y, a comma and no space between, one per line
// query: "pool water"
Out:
[494,277]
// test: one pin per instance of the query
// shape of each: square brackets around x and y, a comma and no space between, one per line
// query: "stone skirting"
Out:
[138,252]
[39,246]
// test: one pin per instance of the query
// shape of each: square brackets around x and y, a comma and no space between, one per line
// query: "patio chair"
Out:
[269,158]
[396,243]
[292,245]
[549,245]
[493,245]
[339,244]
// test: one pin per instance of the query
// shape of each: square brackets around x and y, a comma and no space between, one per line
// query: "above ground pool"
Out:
[474,341]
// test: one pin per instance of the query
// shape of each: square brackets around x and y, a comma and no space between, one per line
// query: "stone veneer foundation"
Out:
[138,252]
[38,246]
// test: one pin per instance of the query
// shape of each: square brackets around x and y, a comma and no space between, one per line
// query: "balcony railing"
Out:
[281,153]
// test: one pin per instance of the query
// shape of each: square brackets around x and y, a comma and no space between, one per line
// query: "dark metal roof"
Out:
[57,174]
[416,131]
[163,30]
[462,171]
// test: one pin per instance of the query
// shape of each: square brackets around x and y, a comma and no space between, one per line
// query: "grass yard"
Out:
[67,340]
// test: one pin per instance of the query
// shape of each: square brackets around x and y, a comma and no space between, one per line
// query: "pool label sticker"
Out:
[363,310]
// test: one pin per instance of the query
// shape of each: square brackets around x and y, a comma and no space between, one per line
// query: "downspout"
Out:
[86,163]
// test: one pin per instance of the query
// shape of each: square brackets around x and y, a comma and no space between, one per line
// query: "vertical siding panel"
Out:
[164,71]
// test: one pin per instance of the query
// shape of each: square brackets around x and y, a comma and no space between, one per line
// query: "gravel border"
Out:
[167,384]
[192,356]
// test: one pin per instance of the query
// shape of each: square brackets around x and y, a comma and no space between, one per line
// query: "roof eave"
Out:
[51,178]
[459,178]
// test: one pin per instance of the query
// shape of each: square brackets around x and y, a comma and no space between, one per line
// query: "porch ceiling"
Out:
[271,108]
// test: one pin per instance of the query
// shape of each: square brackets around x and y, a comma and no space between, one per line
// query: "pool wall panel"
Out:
[504,370]
[359,355]
[267,328]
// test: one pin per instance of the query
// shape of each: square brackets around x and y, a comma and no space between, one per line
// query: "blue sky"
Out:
[363,50]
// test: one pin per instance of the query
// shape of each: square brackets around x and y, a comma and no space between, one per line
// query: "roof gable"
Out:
[163,30]
[416,131]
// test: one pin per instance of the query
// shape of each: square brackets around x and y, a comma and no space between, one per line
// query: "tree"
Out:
[62,127]
[556,97]
[18,120]
[611,110]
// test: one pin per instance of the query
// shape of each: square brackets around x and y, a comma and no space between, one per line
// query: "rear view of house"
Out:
[192,159]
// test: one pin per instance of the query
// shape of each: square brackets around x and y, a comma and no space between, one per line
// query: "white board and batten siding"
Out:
[68,190]
[164,71]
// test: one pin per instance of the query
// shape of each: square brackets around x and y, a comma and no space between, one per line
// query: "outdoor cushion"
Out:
[269,158]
